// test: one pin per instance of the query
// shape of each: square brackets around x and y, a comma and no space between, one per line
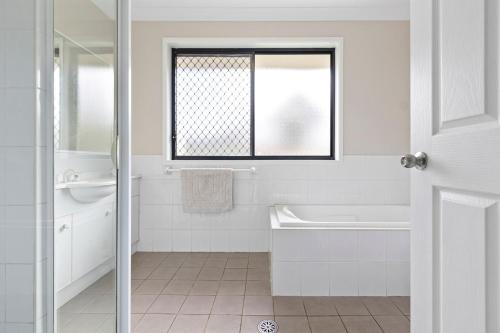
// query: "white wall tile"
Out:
[10,18]
[238,241]
[398,246]
[372,278]
[344,279]
[219,241]
[162,240]
[315,244]
[258,240]
[19,293]
[398,279]
[286,278]
[180,220]
[343,245]
[146,240]
[156,192]
[19,328]
[19,182]
[315,279]
[156,216]
[181,240]
[19,65]
[200,240]
[17,119]
[2,293]
[371,245]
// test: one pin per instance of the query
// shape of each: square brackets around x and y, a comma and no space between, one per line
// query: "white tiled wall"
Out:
[165,227]
[324,262]
[23,178]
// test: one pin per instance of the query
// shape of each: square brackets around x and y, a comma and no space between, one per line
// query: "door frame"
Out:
[123,250]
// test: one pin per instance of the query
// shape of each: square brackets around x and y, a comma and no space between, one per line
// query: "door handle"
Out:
[419,161]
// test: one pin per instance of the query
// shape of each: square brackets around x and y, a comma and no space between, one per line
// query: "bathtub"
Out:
[340,250]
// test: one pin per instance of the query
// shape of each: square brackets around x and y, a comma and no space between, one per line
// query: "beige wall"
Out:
[376,77]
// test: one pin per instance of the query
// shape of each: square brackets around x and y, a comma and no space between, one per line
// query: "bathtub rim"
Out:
[310,225]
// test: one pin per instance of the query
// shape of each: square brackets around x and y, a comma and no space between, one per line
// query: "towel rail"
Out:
[252,170]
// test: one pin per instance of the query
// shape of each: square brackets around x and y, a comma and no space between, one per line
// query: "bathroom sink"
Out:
[90,190]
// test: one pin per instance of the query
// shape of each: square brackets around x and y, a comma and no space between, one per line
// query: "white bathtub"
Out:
[344,217]
[340,250]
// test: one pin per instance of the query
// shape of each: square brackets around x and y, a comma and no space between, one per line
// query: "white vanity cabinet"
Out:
[62,257]
[135,202]
[93,239]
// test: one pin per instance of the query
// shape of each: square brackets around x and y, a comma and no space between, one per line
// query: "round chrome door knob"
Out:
[419,161]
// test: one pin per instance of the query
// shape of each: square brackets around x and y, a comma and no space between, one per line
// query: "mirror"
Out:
[83,124]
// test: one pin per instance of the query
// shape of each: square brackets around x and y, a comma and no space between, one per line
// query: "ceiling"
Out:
[269,10]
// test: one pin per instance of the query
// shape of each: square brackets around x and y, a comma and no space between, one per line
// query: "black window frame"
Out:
[252,52]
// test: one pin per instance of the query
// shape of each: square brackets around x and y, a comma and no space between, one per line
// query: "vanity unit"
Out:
[84,235]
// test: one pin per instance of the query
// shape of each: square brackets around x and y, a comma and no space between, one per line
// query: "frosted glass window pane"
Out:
[213,105]
[292,105]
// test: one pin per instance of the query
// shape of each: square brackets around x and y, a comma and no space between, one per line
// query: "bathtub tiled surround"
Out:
[24,167]
[336,262]
[164,226]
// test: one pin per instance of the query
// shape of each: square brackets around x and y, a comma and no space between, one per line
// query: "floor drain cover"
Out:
[268,326]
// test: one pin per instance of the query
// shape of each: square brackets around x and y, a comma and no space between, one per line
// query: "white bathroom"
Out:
[279,166]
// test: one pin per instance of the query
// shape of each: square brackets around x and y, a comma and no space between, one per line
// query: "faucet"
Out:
[70,175]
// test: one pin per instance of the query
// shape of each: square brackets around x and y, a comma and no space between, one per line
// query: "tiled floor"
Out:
[227,293]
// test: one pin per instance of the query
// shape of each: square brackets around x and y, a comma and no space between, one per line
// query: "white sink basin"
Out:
[90,190]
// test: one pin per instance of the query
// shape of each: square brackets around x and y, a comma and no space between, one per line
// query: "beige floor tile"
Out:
[326,324]
[258,305]
[211,273]
[77,304]
[102,304]
[288,306]
[167,304]
[381,306]
[194,262]
[173,262]
[178,287]
[256,262]
[249,323]
[235,274]
[223,324]
[84,323]
[187,273]
[403,303]
[228,305]
[151,287]
[237,263]
[258,288]
[141,303]
[142,272]
[197,305]
[105,285]
[231,288]
[215,262]
[239,255]
[154,323]
[189,324]
[393,324]
[257,274]
[361,324]
[205,288]
[293,324]
[350,306]
[163,272]
[320,306]
[135,284]
[135,319]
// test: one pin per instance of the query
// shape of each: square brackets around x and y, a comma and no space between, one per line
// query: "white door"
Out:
[455,201]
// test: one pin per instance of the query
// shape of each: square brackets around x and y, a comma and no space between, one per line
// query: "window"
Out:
[253,103]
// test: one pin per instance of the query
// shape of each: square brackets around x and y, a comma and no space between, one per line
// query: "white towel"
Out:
[207,190]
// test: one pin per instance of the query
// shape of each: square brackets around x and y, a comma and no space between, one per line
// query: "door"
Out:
[91,168]
[455,201]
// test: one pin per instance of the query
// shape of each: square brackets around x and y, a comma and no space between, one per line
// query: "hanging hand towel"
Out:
[207,190]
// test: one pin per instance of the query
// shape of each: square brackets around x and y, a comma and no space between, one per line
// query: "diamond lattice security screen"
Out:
[213,105]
